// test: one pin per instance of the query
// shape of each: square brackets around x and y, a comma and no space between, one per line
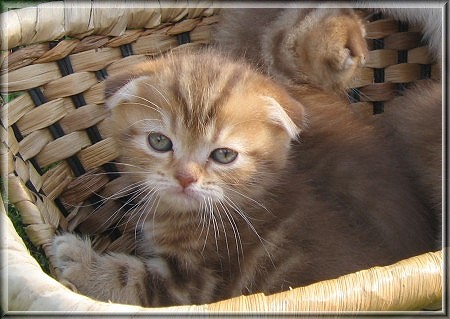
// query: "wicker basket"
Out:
[56,140]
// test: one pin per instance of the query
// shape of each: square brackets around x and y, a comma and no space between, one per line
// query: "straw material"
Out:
[57,150]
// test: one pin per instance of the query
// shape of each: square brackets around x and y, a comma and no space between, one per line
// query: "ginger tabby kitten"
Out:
[319,46]
[244,188]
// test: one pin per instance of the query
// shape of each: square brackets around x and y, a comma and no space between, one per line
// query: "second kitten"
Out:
[322,47]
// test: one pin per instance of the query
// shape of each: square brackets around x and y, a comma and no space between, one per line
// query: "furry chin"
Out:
[179,201]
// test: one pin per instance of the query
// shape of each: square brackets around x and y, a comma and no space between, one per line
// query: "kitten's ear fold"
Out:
[124,86]
[114,83]
[120,88]
[286,112]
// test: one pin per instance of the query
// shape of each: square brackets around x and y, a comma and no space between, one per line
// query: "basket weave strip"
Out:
[56,136]
[54,20]
[411,284]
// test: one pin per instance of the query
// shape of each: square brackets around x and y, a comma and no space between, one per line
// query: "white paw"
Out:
[346,60]
[73,257]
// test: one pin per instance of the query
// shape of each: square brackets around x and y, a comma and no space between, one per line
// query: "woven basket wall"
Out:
[58,154]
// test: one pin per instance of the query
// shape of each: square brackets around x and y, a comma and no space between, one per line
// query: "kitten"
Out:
[234,203]
[320,46]
[414,123]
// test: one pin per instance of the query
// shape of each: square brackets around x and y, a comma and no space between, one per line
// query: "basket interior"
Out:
[57,139]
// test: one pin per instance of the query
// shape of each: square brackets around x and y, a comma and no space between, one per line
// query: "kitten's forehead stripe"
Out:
[227,89]
[201,99]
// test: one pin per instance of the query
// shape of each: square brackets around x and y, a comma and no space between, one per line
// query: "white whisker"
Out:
[242,214]
[214,222]
[158,91]
[247,197]
[151,105]
[236,235]
[217,210]
[135,195]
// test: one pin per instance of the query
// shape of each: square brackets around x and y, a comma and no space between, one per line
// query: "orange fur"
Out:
[283,213]
[322,47]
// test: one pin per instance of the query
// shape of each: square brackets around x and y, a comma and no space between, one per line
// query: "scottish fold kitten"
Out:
[319,46]
[245,188]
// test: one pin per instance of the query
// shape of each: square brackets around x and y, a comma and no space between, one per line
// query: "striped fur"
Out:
[283,214]
[319,46]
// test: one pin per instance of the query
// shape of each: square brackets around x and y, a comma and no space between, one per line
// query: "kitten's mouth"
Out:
[185,193]
[182,198]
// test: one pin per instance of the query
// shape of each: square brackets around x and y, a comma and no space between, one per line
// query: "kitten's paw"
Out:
[348,53]
[346,47]
[346,60]
[335,48]
[73,257]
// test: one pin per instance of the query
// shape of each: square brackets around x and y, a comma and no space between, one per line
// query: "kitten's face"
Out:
[199,132]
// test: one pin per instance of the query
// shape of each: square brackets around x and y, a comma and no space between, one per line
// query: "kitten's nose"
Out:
[185,179]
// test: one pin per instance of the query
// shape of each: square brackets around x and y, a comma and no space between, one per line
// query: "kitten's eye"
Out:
[159,142]
[224,155]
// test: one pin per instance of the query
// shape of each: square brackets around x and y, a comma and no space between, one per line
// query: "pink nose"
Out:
[185,179]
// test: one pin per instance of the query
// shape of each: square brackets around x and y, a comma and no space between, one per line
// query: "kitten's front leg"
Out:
[112,277]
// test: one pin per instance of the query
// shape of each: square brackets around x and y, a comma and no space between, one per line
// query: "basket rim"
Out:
[367,290]
[78,19]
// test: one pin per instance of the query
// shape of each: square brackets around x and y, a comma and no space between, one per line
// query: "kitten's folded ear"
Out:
[120,88]
[114,83]
[123,86]
[286,112]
